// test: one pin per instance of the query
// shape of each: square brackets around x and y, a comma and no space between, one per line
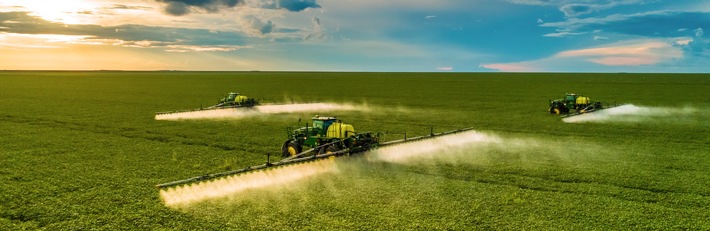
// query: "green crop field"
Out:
[82,150]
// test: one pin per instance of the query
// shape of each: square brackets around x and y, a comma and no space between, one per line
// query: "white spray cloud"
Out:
[232,185]
[432,148]
[471,147]
[237,113]
[401,153]
[629,113]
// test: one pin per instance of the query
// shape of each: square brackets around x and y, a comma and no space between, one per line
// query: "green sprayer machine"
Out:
[325,137]
[574,104]
[231,100]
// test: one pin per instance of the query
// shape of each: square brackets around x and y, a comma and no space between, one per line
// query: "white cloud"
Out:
[572,8]
[563,34]
[630,56]
[683,41]
[699,32]
[13,40]
[632,53]
[512,67]
[318,34]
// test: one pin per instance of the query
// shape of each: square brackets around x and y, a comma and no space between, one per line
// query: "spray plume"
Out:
[231,185]
[227,186]
[431,148]
[629,113]
[237,113]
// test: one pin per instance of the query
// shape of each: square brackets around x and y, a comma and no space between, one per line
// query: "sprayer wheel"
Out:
[284,149]
[293,149]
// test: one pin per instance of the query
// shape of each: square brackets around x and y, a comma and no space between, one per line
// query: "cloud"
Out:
[183,7]
[697,48]
[185,48]
[563,34]
[636,55]
[631,53]
[318,34]
[511,67]
[177,8]
[654,24]
[126,7]
[297,5]
[255,26]
[699,32]
[573,10]
[137,36]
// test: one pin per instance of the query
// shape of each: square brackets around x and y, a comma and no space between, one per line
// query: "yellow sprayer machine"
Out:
[325,137]
[231,100]
[574,104]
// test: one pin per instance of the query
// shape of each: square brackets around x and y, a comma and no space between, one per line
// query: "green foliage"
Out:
[81,150]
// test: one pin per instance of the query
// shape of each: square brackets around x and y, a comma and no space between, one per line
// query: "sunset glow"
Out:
[335,35]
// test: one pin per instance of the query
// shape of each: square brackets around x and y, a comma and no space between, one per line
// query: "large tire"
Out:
[284,149]
[290,148]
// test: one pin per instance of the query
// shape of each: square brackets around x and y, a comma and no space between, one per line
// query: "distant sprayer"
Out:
[231,100]
[574,104]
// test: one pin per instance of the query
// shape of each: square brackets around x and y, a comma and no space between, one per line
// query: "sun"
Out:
[65,11]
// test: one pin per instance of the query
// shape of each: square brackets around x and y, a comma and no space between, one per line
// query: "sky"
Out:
[640,36]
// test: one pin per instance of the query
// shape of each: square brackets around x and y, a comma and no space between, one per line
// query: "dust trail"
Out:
[223,187]
[237,113]
[630,113]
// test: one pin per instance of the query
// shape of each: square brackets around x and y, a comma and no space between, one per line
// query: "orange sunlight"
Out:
[65,11]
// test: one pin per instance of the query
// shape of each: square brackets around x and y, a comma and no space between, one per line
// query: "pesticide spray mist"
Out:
[433,148]
[294,174]
[630,113]
[224,187]
[237,113]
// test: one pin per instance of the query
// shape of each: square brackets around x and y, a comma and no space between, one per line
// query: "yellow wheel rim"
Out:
[292,151]
[557,111]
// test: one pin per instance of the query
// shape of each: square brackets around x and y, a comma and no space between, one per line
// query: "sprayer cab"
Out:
[580,104]
[236,99]
[325,133]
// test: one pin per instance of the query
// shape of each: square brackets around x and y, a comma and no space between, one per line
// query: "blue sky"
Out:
[362,35]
